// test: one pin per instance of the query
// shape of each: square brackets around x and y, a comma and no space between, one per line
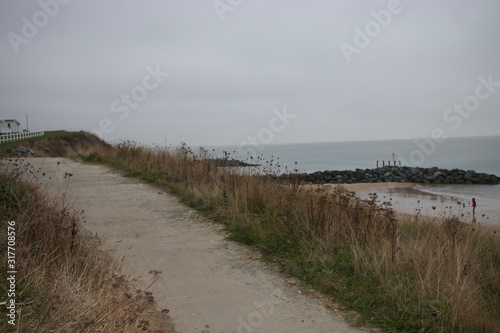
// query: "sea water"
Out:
[481,154]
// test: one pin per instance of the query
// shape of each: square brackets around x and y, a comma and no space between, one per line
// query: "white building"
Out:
[9,126]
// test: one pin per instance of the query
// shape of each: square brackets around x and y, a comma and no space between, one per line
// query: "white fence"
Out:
[19,136]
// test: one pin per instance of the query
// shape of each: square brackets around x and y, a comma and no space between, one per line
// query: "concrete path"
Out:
[208,283]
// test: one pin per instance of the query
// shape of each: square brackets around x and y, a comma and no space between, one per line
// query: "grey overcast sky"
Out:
[347,70]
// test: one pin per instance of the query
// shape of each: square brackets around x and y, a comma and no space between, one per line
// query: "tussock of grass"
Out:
[63,283]
[399,274]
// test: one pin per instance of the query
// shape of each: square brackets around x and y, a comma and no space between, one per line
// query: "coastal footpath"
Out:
[387,174]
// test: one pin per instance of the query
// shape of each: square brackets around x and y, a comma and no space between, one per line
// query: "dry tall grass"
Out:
[63,283]
[400,274]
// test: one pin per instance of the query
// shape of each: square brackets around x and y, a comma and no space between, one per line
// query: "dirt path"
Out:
[209,284]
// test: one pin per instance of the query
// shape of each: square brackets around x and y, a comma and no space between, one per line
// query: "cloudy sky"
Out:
[216,72]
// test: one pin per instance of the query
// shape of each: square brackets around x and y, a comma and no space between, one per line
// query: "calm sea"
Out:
[481,154]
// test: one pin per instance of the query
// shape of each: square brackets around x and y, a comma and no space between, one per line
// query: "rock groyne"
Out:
[387,174]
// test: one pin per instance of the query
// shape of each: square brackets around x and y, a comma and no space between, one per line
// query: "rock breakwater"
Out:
[386,174]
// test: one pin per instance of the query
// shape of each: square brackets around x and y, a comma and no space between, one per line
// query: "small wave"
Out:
[482,193]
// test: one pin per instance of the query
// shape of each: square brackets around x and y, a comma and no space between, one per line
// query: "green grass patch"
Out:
[47,135]
[92,157]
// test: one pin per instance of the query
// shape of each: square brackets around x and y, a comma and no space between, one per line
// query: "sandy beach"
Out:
[409,198]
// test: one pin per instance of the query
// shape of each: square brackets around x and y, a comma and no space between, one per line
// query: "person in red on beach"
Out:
[474,206]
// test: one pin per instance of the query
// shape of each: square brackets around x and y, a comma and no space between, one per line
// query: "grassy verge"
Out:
[54,144]
[47,135]
[401,275]
[62,283]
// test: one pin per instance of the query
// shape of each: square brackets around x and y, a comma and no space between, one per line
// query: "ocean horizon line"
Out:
[346,141]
